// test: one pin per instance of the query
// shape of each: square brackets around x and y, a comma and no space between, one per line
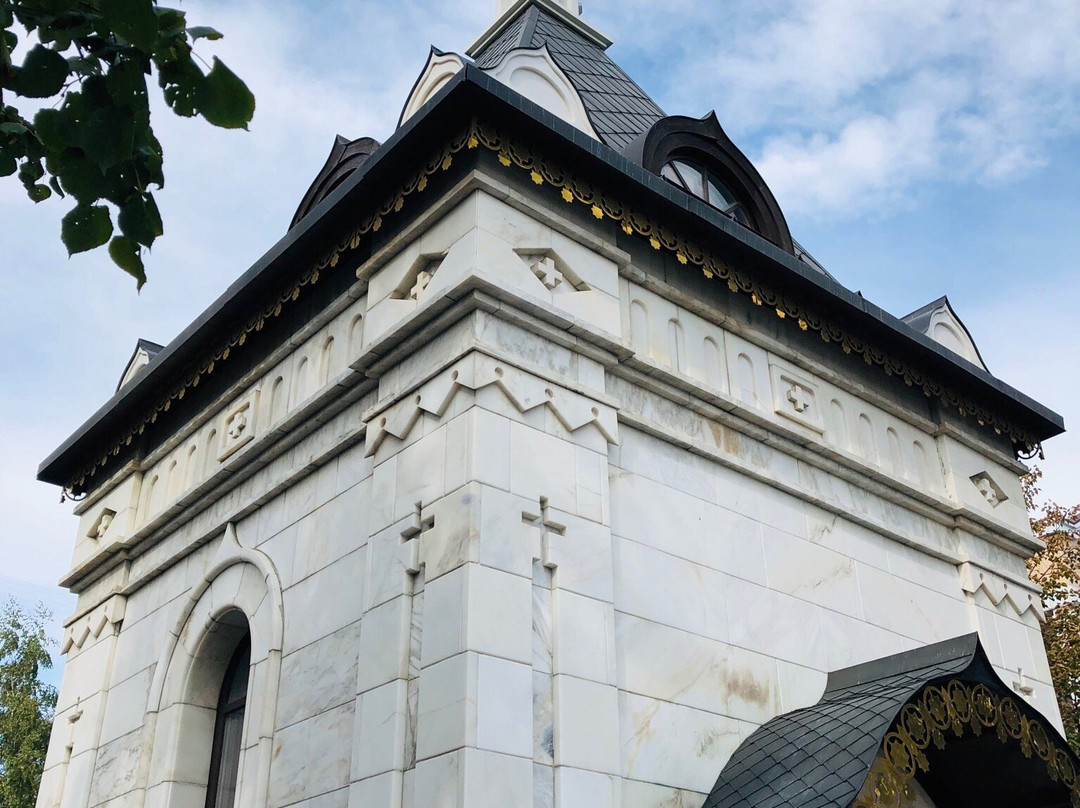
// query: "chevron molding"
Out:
[475,372]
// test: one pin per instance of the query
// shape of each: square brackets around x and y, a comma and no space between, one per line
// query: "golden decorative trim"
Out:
[942,713]
[634,222]
[440,161]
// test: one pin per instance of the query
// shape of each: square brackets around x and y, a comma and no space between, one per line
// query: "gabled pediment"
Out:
[145,350]
[939,321]
[440,68]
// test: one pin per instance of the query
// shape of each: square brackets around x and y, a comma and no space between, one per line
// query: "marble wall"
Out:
[516,522]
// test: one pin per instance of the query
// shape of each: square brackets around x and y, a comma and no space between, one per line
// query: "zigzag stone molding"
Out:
[476,371]
[974,578]
[101,621]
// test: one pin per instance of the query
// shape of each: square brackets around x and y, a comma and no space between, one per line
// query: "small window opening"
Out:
[229,729]
[708,187]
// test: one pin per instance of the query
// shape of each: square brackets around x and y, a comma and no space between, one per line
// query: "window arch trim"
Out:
[704,142]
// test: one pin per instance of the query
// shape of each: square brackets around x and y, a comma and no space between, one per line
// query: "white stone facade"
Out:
[537,529]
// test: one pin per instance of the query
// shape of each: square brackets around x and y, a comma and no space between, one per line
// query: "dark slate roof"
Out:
[619,110]
[473,92]
[819,757]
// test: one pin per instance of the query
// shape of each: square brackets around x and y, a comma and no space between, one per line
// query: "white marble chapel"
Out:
[538,465]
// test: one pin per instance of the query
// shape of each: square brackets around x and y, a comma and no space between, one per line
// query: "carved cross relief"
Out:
[542,520]
[422,281]
[800,397]
[990,490]
[544,269]
[410,539]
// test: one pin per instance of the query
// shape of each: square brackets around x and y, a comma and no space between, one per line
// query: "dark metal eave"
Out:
[779,267]
[305,242]
[472,91]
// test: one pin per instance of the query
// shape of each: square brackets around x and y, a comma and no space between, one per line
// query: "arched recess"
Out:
[704,142]
[240,593]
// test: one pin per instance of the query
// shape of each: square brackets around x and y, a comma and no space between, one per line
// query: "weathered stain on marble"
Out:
[412,704]
[543,655]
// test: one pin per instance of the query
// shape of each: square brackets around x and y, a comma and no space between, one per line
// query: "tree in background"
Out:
[1057,570]
[93,142]
[26,704]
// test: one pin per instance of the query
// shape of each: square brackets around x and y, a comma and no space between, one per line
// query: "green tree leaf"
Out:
[79,175]
[109,136]
[140,220]
[125,254]
[42,73]
[85,227]
[133,20]
[92,140]
[204,32]
[53,128]
[224,100]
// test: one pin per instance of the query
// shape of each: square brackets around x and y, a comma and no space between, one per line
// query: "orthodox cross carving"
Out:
[543,521]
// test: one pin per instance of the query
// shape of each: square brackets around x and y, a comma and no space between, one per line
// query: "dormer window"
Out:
[707,186]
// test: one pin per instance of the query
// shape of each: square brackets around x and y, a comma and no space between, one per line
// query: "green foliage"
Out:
[1057,570]
[26,705]
[95,142]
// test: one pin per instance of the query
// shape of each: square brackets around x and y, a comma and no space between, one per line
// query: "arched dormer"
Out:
[345,157]
[533,73]
[440,68]
[698,157]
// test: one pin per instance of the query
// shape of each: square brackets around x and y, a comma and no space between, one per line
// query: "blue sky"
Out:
[917,147]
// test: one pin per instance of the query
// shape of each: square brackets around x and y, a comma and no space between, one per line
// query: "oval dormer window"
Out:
[707,186]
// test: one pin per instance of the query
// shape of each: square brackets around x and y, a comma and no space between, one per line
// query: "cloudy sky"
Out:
[917,147]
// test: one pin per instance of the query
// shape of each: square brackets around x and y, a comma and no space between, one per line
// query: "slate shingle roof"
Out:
[819,757]
[619,110]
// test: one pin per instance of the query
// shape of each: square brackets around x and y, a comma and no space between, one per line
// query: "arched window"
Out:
[699,158]
[707,186]
[229,729]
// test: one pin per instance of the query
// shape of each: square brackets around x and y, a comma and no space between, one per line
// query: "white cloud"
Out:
[854,103]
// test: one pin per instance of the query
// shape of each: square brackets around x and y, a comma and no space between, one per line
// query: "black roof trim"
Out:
[320,227]
[471,91]
[821,756]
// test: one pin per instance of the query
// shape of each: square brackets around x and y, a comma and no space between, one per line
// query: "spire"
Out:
[572,6]
[566,11]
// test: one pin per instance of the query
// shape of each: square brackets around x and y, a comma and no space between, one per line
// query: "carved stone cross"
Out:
[800,398]
[543,522]
[422,281]
[410,539]
[544,269]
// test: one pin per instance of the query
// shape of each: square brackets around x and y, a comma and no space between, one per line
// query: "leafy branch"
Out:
[1057,570]
[96,144]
